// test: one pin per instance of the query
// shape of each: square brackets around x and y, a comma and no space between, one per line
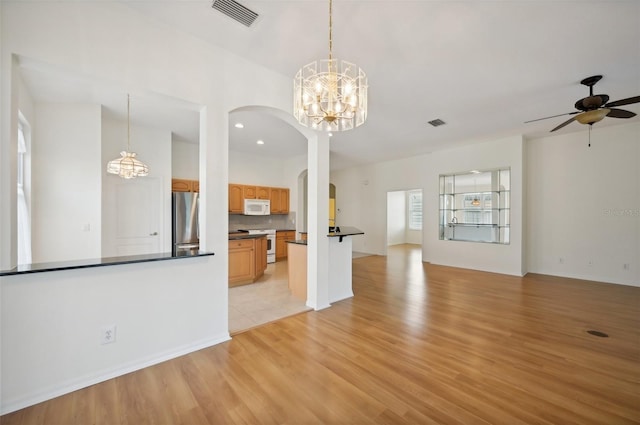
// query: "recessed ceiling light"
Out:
[330,134]
[260,142]
[239,125]
[475,172]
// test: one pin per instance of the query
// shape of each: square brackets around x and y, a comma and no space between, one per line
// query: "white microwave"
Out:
[257,207]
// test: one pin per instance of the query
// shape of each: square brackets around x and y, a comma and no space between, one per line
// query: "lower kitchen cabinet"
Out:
[247,260]
[281,245]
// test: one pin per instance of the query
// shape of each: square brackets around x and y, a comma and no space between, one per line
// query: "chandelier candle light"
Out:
[330,94]
[127,166]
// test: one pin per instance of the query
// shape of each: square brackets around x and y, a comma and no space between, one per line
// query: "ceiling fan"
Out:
[594,108]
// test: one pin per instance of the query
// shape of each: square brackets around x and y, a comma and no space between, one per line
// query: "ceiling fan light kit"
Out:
[591,117]
[594,108]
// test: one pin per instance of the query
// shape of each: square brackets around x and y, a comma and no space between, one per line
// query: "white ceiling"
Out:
[483,67]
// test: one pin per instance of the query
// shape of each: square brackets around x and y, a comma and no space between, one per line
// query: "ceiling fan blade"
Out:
[553,116]
[569,121]
[621,102]
[621,113]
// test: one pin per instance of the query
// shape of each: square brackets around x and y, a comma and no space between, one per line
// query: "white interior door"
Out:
[136,211]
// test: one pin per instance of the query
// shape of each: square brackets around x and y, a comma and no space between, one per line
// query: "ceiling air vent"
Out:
[235,10]
[437,122]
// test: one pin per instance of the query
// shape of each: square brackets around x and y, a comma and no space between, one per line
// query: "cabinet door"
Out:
[275,201]
[236,201]
[249,192]
[263,192]
[180,185]
[281,246]
[241,262]
[261,255]
[284,201]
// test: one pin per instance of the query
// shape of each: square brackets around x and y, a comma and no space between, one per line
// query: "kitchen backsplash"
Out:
[276,221]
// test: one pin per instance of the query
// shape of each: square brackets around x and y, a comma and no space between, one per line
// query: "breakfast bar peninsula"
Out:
[340,269]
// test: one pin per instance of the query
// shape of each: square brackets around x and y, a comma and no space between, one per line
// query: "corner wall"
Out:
[584,204]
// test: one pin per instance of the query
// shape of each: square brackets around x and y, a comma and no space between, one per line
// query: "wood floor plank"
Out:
[417,344]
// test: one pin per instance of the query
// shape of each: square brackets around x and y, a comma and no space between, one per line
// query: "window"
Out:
[415,209]
[23,217]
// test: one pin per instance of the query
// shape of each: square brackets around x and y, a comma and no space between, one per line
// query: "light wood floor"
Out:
[418,344]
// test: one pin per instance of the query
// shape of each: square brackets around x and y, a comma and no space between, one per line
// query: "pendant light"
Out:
[127,166]
[330,95]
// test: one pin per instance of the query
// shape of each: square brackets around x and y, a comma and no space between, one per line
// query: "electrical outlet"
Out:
[625,266]
[590,263]
[561,260]
[108,334]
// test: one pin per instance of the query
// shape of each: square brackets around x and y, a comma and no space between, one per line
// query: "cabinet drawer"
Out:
[241,243]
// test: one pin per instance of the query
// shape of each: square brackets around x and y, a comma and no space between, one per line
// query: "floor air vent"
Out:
[235,10]
[598,333]
[437,122]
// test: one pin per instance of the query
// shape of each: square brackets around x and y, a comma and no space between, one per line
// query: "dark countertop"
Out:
[297,242]
[96,262]
[471,225]
[345,231]
[236,236]
[285,230]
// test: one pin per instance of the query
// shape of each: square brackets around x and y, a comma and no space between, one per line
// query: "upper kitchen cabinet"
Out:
[183,185]
[236,198]
[255,192]
[263,192]
[278,196]
[248,192]
[279,200]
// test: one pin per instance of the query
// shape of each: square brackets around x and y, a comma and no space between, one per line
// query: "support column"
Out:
[318,222]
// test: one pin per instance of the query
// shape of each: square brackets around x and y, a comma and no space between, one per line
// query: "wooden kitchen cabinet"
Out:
[248,192]
[279,200]
[242,264]
[281,245]
[184,185]
[279,197]
[263,192]
[236,199]
[261,254]
[247,260]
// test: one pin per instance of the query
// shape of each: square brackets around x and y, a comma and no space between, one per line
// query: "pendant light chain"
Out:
[330,31]
[128,125]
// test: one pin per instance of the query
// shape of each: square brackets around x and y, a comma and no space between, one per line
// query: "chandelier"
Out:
[330,94]
[127,166]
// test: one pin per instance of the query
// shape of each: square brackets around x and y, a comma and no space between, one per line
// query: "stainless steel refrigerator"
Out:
[185,230]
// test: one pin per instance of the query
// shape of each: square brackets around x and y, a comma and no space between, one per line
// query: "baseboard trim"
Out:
[101,376]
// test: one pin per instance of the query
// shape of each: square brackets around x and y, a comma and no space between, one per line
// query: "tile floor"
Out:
[264,301]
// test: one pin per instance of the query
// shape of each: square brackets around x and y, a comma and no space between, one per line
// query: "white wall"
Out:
[66,182]
[580,204]
[507,259]
[187,298]
[396,217]
[51,324]
[584,204]
[361,197]
[185,159]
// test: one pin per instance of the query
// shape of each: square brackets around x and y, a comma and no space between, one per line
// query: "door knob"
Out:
[153,234]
